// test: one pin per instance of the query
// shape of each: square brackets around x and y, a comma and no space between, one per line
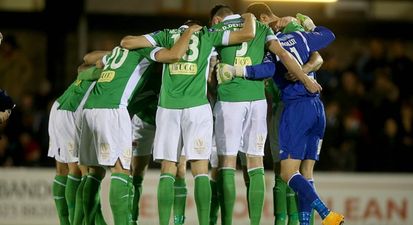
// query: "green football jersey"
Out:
[124,71]
[145,100]
[184,83]
[73,96]
[245,54]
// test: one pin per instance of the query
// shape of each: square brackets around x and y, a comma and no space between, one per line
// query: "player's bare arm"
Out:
[292,65]
[246,33]
[93,58]
[134,42]
[212,79]
[179,49]
[313,64]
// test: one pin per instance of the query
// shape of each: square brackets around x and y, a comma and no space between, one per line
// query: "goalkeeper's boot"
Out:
[333,218]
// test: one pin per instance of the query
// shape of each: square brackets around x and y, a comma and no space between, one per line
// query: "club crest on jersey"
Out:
[199,145]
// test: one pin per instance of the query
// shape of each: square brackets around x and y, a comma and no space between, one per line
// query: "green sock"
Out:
[247,185]
[179,200]
[292,208]
[227,200]
[256,194]
[79,216]
[137,185]
[119,198]
[99,219]
[72,184]
[280,201]
[165,197]
[202,198]
[213,216]
[90,193]
[59,186]
[312,217]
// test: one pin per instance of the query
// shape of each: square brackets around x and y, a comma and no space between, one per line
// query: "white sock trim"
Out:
[167,176]
[59,183]
[295,174]
[117,178]
[73,178]
[94,178]
[201,175]
[256,168]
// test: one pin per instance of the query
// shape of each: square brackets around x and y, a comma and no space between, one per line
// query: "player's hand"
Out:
[248,15]
[306,22]
[1,37]
[290,77]
[4,115]
[194,28]
[224,72]
[312,85]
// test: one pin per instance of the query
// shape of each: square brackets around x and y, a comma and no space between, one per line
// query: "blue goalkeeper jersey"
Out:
[300,45]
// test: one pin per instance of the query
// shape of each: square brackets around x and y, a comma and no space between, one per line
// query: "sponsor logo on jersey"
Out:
[183,68]
[242,61]
[107,76]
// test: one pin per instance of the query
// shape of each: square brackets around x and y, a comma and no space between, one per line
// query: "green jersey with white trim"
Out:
[74,94]
[245,54]
[145,100]
[124,71]
[184,83]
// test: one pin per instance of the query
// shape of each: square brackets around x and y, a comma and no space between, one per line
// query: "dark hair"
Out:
[259,8]
[10,40]
[192,22]
[220,10]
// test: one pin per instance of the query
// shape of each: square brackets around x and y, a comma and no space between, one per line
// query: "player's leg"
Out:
[213,216]
[292,206]
[143,135]
[256,187]
[139,166]
[279,197]
[245,176]
[91,189]
[119,199]
[197,126]
[180,192]
[166,192]
[202,192]
[306,215]
[280,187]
[79,213]
[167,149]
[59,186]
[73,181]
[229,117]
[255,134]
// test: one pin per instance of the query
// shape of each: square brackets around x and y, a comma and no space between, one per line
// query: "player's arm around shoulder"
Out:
[179,49]
[246,33]
[135,42]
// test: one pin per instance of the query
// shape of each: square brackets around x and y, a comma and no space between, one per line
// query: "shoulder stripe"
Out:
[304,39]
[225,38]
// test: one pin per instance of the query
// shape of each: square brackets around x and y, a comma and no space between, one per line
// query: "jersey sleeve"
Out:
[216,37]
[261,71]
[320,38]
[269,34]
[158,38]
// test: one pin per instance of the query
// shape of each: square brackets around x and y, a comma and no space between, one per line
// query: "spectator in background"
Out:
[15,69]
[373,60]
[401,66]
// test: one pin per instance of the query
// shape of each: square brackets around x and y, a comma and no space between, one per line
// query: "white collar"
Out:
[233,16]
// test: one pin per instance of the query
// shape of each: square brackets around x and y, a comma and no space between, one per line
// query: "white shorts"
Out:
[143,135]
[62,133]
[106,137]
[188,130]
[213,160]
[241,126]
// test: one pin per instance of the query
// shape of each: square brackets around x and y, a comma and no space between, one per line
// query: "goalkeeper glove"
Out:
[306,21]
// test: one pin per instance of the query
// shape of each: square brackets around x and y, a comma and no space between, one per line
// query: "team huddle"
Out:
[208,107]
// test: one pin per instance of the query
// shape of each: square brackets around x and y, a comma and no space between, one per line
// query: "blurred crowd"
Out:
[368,104]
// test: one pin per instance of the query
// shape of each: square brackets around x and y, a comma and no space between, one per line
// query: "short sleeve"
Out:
[269,34]
[216,38]
[158,38]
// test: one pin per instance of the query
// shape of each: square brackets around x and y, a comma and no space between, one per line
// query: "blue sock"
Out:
[307,194]
[305,208]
